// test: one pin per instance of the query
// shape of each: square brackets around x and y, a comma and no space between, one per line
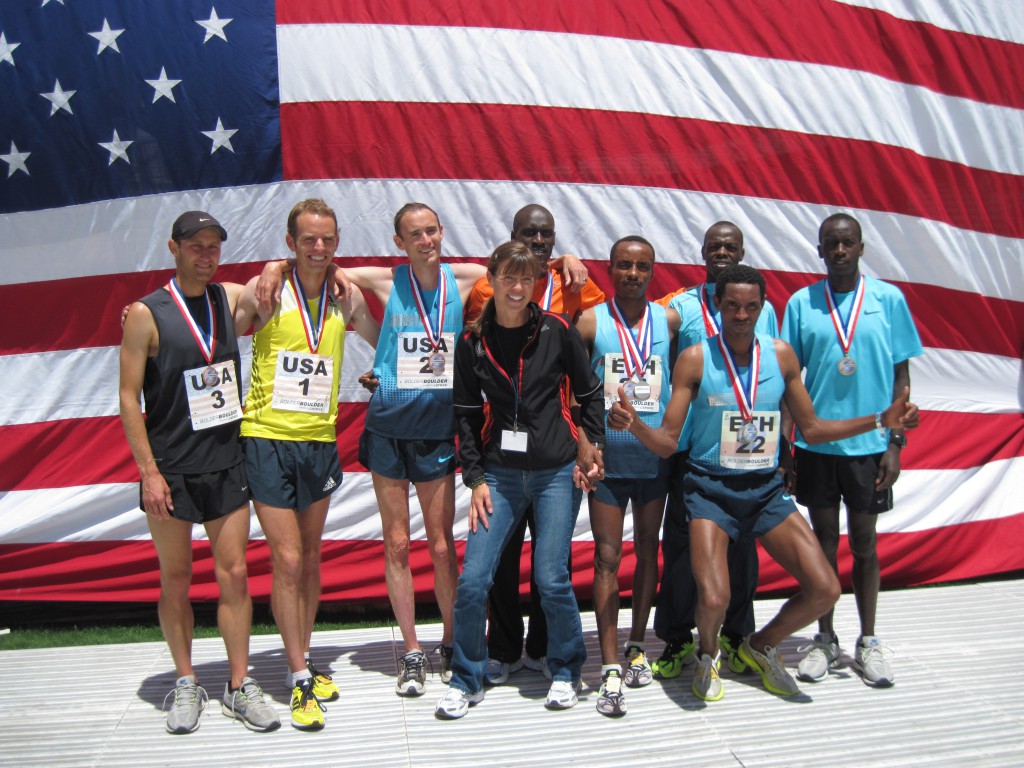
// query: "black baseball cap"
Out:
[190,222]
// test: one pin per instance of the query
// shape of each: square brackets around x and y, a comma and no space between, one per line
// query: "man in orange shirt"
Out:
[534,226]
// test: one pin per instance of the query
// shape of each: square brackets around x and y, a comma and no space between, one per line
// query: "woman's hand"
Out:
[480,507]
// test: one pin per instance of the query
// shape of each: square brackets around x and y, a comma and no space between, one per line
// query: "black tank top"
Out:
[176,447]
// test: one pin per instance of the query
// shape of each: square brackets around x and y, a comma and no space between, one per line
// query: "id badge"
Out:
[513,441]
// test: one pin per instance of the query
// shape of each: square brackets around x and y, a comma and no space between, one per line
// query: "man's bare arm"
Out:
[139,342]
[466,276]
[359,317]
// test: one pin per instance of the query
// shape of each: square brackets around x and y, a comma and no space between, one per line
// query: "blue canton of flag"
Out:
[104,99]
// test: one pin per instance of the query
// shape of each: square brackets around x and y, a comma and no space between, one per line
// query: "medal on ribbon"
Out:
[427,318]
[745,391]
[636,350]
[207,342]
[845,328]
[711,325]
[313,326]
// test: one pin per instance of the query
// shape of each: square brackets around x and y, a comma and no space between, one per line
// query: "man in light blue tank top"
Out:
[629,339]
[736,383]
[854,336]
[410,424]
[674,622]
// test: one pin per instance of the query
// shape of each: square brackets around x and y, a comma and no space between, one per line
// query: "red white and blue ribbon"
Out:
[426,316]
[207,341]
[745,391]
[845,328]
[549,292]
[711,325]
[312,326]
[636,350]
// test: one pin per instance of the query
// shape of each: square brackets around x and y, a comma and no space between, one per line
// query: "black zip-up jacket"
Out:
[553,351]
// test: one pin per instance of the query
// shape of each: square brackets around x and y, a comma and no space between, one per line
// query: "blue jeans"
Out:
[512,491]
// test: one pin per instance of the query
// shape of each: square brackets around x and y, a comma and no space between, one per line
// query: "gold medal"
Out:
[847,366]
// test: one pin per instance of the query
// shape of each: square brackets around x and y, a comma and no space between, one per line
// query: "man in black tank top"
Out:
[180,352]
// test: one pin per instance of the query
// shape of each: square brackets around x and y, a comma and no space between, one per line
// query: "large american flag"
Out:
[656,118]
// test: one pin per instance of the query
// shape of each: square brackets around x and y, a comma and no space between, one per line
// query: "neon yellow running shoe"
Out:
[771,667]
[677,654]
[307,712]
[324,687]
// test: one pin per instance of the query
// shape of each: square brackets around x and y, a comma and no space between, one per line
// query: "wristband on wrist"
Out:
[878,423]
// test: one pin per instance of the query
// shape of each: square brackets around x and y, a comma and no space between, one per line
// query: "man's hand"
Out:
[156,496]
[574,274]
[589,469]
[622,414]
[480,507]
[268,287]
[902,414]
[369,381]
[124,313]
[787,468]
[888,469]
[339,286]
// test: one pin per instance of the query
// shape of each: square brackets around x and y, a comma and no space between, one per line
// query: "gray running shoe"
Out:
[610,701]
[563,694]
[189,700]
[873,661]
[706,683]
[822,655]
[771,667]
[496,673]
[446,652]
[412,674]
[248,705]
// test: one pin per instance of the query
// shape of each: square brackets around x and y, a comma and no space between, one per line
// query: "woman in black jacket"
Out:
[518,445]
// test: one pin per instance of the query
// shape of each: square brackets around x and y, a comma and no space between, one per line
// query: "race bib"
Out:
[645,394]
[749,445]
[303,382]
[421,366]
[212,393]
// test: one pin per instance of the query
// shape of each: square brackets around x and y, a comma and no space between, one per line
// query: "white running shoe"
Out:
[822,655]
[455,703]
[563,695]
[873,660]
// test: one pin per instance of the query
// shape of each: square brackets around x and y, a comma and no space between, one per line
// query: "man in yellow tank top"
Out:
[288,432]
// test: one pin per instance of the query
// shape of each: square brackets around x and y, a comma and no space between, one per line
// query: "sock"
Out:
[299,676]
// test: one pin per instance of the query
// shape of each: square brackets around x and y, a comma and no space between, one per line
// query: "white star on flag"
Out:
[7,49]
[163,86]
[117,148]
[214,26]
[59,98]
[221,136]
[15,161]
[107,37]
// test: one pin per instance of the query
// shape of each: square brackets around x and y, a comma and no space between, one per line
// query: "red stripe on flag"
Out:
[937,444]
[590,146]
[91,306]
[64,444]
[809,31]
[353,570]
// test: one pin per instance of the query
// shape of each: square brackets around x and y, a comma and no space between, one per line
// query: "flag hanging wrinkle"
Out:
[654,118]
